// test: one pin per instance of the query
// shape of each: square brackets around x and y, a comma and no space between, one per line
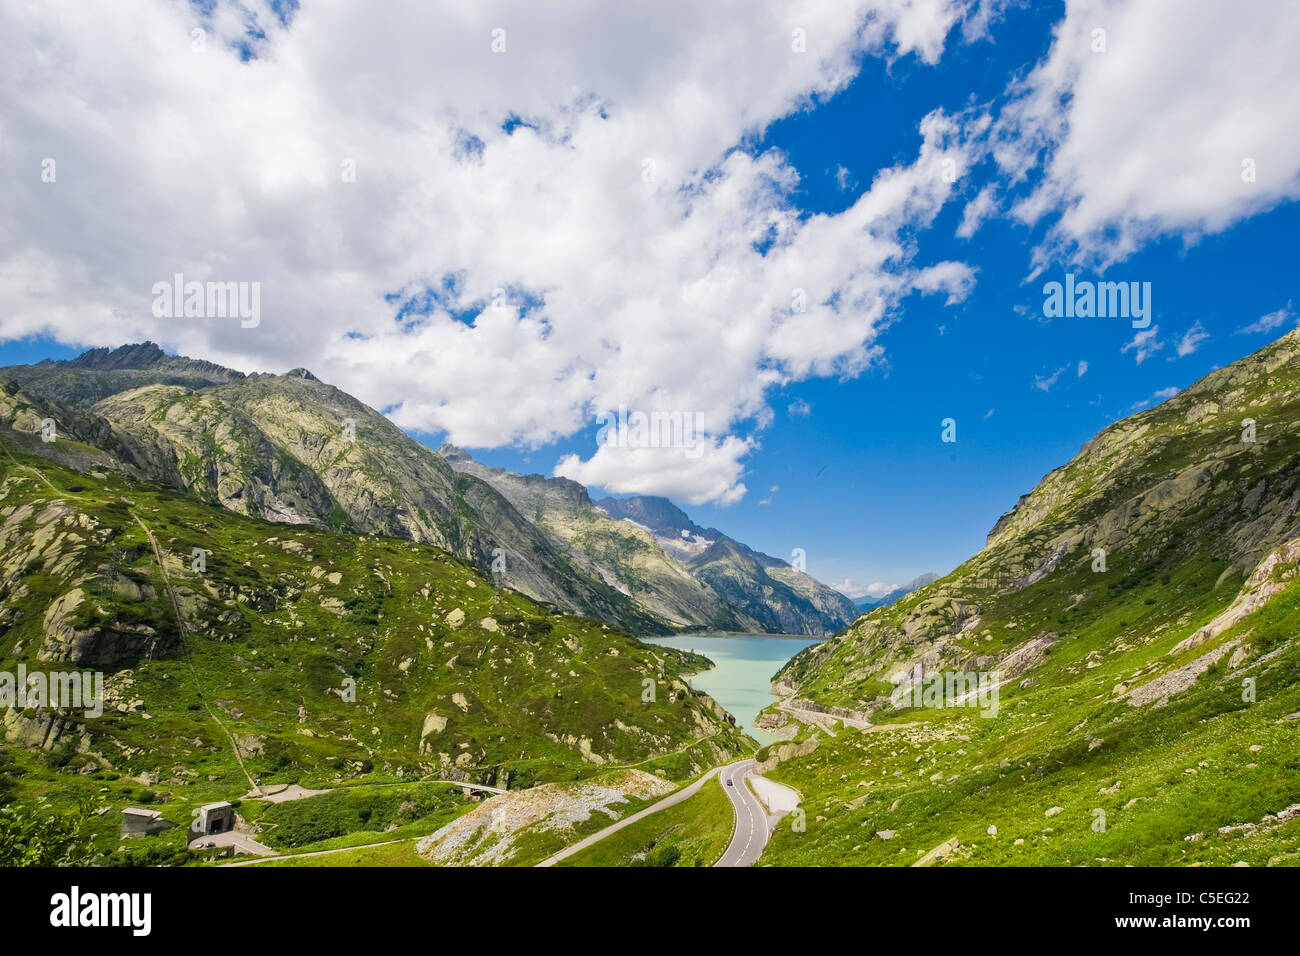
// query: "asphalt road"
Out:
[751,831]
[751,819]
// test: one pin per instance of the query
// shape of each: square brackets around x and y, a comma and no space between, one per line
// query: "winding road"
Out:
[747,839]
[750,835]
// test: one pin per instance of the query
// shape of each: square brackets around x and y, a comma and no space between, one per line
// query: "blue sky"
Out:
[864,483]
[1115,159]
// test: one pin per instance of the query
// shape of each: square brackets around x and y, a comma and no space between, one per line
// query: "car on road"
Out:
[731,783]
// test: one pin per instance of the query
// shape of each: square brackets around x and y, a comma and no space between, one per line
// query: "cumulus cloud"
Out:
[710,471]
[1152,118]
[494,245]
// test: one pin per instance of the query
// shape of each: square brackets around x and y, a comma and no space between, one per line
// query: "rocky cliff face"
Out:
[625,555]
[781,598]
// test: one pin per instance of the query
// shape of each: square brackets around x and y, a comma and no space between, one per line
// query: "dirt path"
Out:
[808,716]
[299,856]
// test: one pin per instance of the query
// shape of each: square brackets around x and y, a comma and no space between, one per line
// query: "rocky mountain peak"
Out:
[660,515]
[140,355]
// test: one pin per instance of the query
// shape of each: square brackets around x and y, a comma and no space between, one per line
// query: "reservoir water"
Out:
[741,677]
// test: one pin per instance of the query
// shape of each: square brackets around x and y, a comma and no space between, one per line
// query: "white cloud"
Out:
[976,211]
[710,472]
[623,222]
[875,589]
[980,18]
[957,279]
[1144,344]
[1269,322]
[1044,383]
[1155,398]
[1083,368]
[1191,340]
[1150,136]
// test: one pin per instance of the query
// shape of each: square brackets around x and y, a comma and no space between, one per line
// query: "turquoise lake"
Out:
[742,674]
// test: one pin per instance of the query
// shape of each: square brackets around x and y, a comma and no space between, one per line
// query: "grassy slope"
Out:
[274,631]
[1185,510]
[1190,766]
[694,832]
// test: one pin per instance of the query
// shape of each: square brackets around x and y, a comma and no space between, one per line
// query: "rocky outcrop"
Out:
[489,834]
[940,853]
[1266,581]
[786,751]
[42,730]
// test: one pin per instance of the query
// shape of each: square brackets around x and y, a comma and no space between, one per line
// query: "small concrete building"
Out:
[216,818]
[140,823]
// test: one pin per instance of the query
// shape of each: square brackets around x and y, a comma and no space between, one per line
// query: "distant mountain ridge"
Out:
[768,589]
[920,581]
[649,548]
[98,373]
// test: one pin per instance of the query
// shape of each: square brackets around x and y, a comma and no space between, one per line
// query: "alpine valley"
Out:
[392,655]
[283,588]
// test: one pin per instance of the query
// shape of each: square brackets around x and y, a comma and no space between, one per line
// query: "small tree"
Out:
[37,835]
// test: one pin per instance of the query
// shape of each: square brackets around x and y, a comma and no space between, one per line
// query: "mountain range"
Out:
[289,448]
[1113,679]
[204,560]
